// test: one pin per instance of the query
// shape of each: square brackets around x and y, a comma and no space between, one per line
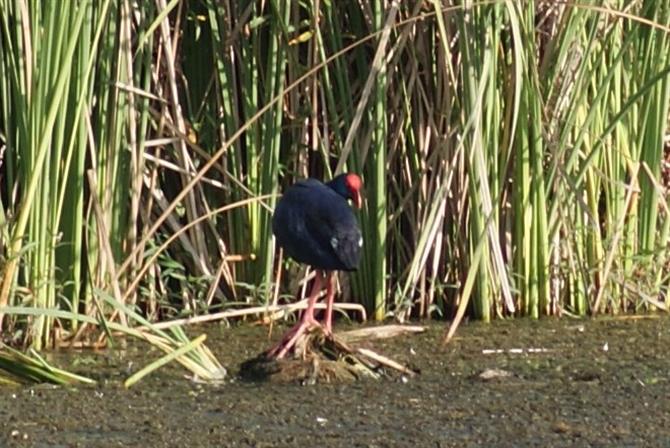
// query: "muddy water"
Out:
[592,383]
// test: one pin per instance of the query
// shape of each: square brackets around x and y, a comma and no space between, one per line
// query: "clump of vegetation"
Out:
[320,358]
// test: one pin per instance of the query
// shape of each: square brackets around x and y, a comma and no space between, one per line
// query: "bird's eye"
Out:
[333,242]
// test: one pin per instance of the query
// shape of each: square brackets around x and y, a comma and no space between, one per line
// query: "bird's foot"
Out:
[289,340]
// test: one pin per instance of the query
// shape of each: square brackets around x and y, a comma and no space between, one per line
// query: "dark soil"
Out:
[588,383]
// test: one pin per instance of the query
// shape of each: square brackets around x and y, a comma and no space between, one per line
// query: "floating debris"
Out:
[494,374]
[514,351]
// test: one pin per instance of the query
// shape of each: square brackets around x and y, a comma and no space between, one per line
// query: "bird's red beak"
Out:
[354,185]
[358,199]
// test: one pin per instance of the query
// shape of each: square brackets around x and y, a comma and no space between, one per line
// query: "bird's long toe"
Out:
[289,340]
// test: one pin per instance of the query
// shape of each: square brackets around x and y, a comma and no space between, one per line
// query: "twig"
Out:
[385,361]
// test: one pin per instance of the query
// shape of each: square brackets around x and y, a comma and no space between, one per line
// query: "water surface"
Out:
[589,383]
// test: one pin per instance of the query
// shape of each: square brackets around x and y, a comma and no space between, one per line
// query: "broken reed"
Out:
[511,153]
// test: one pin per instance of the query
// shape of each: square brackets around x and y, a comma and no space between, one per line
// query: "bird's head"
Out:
[349,186]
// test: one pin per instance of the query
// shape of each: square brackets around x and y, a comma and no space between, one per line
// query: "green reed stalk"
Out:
[45,106]
[378,205]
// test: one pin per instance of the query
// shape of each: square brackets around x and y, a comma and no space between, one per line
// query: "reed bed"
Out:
[514,156]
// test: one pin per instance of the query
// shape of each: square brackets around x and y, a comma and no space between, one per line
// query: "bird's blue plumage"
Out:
[315,225]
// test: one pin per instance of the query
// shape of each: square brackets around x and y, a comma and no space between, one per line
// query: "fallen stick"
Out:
[280,311]
[258,310]
[385,361]
[380,332]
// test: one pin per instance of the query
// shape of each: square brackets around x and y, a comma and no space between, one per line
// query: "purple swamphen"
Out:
[315,225]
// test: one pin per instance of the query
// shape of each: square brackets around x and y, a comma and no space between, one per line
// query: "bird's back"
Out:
[316,226]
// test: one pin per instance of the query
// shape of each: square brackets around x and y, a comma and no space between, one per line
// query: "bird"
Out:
[314,224]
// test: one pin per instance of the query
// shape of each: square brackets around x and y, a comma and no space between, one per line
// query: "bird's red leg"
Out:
[306,321]
[330,298]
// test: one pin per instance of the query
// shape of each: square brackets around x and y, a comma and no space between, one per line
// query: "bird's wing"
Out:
[337,229]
